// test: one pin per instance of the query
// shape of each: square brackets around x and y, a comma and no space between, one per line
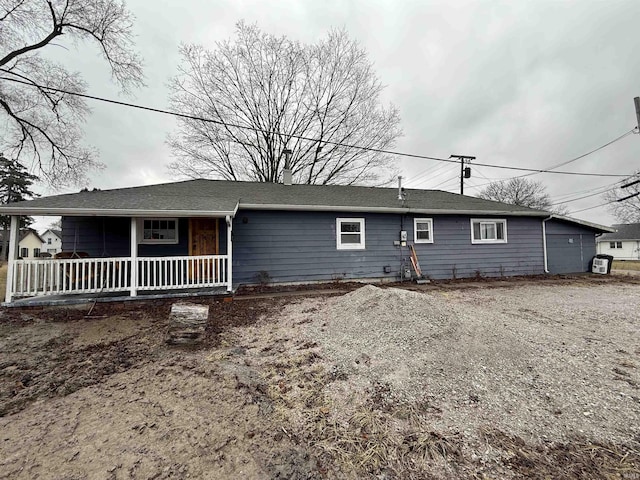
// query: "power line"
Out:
[584,196]
[584,154]
[300,137]
[590,208]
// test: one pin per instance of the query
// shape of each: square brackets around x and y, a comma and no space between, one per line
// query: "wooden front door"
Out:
[203,240]
[203,236]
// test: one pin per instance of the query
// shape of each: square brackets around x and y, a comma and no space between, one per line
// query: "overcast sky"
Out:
[514,83]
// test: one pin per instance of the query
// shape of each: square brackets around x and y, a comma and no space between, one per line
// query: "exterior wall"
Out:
[570,247]
[56,243]
[452,250]
[630,249]
[97,236]
[30,242]
[301,246]
[111,237]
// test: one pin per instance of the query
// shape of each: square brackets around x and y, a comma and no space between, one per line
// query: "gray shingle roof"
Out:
[221,197]
[625,231]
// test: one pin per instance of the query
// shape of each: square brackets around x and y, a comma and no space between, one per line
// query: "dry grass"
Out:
[626,265]
[3,280]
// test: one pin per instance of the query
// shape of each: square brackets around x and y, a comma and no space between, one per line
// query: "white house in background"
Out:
[52,241]
[30,244]
[623,244]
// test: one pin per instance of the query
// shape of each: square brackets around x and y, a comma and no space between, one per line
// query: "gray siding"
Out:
[110,237]
[452,249]
[97,236]
[570,247]
[301,246]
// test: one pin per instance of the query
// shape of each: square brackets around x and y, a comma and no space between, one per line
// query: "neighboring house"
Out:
[52,241]
[212,233]
[30,244]
[623,244]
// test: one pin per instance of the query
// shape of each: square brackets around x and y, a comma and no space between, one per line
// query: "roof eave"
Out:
[585,223]
[106,212]
[360,209]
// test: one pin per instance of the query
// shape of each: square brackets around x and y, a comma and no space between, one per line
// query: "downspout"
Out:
[544,243]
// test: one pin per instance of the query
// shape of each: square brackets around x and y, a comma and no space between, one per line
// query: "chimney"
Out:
[286,173]
[400,189]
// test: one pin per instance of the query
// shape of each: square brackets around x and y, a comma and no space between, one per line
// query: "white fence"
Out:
[98,275]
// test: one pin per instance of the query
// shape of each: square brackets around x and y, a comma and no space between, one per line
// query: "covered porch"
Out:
[165,256]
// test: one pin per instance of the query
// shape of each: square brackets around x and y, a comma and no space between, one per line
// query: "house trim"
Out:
[480,241]
[415,230]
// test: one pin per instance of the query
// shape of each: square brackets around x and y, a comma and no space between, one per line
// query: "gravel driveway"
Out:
[537,361]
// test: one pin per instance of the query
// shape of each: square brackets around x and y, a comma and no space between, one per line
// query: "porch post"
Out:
[229,254]
[12,256]
[134,257]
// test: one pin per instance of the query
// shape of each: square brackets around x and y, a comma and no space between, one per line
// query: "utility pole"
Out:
[465,172]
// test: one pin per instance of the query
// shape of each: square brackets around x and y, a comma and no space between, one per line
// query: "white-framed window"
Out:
[49,241]
[159,230]
[350,233]
[36,252]
[488,230]
[24,252]
[423,230]
[615,244]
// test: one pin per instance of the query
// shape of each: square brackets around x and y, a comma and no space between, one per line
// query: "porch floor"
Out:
[83,298]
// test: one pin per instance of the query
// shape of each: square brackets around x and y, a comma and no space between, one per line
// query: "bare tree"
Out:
[43,127]
[523,192]
[264,93]
[627,210]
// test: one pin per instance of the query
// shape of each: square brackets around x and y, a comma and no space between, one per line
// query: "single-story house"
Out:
[623,243]
[209,234]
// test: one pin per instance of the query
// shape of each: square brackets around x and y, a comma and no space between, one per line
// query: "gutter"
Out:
[544,243]
[404,210]
[111,212]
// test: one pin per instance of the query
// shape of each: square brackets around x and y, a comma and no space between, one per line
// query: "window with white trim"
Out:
[36,252]
[159,230]
[615,244]
[488,230]
[423,230]
[350,233]
[24,252]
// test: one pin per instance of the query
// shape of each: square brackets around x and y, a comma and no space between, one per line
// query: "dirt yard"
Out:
[486,380]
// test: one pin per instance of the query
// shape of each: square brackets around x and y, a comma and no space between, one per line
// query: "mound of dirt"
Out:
[384,334]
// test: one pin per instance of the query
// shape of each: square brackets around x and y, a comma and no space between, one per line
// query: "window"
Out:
[49,241]
[160,230]
[488,231]
[423,230]
[24,252]
[615,244]
[350,233]
[51,251]
[36,252]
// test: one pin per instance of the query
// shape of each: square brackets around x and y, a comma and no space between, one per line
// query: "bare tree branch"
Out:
[523,192]
[283,90]
[625,211]
[42,124]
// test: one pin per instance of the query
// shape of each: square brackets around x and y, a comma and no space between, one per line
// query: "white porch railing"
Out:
[161,273]
[97,275]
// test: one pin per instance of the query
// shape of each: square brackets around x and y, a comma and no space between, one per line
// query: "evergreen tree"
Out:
[15,186]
